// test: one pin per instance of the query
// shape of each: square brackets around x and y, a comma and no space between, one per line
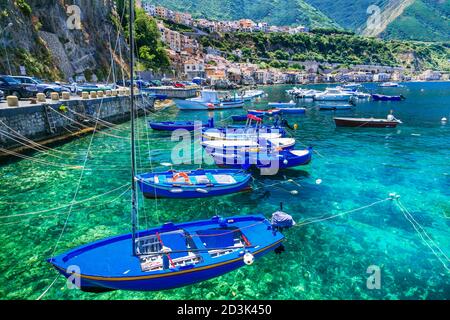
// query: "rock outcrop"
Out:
[64,39]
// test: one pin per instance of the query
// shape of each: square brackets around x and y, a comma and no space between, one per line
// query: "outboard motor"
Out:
[281,220]
[285,123]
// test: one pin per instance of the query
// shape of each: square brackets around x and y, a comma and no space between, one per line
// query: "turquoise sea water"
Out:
[324,260]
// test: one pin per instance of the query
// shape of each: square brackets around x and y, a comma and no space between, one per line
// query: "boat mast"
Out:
[133,146]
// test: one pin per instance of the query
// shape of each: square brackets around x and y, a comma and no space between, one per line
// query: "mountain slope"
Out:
[277,12]
[423,20]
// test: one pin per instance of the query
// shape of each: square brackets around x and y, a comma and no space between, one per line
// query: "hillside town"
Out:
[190,60]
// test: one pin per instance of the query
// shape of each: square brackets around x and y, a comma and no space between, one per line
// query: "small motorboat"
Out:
[292,110]
[281,159]
[333,94]
[352,85]
[248,145]
[172,255]
[277,105]
[366,122]
[361,95]
[381,97]
[199,183]
[243,134]
[176,125]
[209,100]
[262,113]
[332,107]
[389,85]
[250,95]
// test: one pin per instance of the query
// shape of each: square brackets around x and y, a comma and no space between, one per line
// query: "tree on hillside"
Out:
[148,41]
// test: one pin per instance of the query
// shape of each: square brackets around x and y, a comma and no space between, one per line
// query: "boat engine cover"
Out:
[281,219]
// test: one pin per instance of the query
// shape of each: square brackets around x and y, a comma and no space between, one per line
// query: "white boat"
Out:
[282,104]
[333,94]
[212,134]
[307,94]
[209,100]
[352,85]
[249,95]
[245,145]
[362,95]
[389,85]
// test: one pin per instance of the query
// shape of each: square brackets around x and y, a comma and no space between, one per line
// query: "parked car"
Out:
[155,83]
[138,83]
[2,95]
[13,87]
[179,85]
[45,88]
[166,82]
[78,88]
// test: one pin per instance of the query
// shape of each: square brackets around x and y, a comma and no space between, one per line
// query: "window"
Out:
[10,80]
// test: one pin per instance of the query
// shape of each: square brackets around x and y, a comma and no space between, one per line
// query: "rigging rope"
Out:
[82,172]
[65,206]
[422,233]
[87,207]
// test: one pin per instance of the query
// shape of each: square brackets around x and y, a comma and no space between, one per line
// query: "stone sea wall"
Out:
[40,122]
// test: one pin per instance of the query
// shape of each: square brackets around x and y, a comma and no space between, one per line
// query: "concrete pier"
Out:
[47,122]
[174,93]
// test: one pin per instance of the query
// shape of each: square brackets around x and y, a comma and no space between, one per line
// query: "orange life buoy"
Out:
[181,175]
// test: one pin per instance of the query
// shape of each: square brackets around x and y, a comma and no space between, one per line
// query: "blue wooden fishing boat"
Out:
[262,113]
[170,256]
[381,97]
[333,107]
[175,125]
[277,105]
[199,183]
[281,159]
[209,100]
[292,110]
[255,125]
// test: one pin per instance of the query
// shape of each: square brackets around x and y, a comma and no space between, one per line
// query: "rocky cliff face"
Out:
[58,39]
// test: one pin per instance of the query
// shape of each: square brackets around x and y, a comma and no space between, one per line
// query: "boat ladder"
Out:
[51,121]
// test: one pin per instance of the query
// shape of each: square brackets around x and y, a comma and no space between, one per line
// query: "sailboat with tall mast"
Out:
[171,255]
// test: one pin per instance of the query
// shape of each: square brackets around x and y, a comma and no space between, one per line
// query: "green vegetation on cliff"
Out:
[336,48]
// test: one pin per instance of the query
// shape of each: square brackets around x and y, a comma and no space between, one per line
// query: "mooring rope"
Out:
[64,206]
[10,136]
[82,172]
[342,213]
[20,136]
[422,233]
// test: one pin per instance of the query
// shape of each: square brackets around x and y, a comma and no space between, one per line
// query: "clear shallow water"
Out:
[326,260]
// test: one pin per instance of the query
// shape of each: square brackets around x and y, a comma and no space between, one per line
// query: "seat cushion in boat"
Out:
[217,238]
[176,242]
[224,179]
[200,179]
